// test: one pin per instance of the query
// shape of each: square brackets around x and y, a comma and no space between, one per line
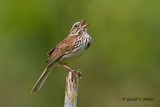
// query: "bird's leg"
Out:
[73,71]
[64,65]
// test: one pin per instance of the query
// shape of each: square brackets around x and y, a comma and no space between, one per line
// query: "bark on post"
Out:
[71,89]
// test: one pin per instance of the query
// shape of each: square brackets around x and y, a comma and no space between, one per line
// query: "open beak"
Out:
[83,24]
[83,21]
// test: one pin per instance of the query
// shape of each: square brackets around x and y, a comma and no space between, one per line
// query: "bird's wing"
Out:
[50,52]
[60,49]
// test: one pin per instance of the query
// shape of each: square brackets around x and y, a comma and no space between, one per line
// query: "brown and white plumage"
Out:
[72,46]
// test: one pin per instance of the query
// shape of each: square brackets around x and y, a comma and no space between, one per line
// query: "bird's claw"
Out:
[76,75]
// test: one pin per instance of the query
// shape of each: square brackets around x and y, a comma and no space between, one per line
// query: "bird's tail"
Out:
[41,79]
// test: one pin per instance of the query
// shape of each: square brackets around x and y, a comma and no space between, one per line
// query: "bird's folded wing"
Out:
[60,49]
[50,52]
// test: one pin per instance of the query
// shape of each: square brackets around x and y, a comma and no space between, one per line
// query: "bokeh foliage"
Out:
[123,60]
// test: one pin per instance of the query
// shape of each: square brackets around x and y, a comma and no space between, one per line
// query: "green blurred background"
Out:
[123,60]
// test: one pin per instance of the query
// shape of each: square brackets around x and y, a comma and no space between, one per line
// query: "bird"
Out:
[68,49]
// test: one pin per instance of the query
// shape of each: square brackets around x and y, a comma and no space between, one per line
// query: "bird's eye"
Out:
[75,25]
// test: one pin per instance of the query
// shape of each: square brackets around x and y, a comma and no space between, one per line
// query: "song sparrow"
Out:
[72,46]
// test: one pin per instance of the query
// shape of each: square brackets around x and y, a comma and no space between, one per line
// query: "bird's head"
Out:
[78,27]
